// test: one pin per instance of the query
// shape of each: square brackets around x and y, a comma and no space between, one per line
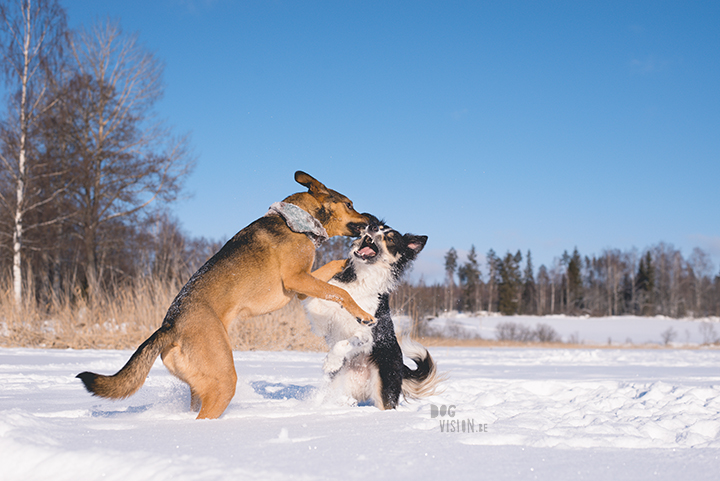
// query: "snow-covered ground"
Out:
[589,330]
[555,414]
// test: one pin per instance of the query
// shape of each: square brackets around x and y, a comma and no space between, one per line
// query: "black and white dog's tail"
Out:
[422,381]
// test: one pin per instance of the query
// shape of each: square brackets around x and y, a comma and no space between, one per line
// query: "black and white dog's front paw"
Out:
[361,338]
[336,357]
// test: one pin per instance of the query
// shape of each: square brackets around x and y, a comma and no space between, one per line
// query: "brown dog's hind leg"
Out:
[205,362]
[195,402]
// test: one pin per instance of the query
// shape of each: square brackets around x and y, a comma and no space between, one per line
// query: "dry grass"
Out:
[126,319]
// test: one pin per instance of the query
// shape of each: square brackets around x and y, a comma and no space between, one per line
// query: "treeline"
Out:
[656,281]
[86,168]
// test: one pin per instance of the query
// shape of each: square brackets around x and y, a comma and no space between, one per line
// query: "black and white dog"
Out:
[366,363]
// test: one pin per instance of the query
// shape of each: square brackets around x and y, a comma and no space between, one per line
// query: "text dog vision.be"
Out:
[455,425]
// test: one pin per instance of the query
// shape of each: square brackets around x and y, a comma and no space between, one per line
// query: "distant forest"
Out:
[656,281]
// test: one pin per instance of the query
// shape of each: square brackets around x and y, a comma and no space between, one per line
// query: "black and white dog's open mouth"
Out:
[368,249]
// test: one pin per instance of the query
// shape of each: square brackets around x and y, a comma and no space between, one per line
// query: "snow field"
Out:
[593,398]
[527,414]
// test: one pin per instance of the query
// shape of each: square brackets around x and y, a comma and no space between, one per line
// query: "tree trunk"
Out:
[18,230]
[22,167]
[91,270]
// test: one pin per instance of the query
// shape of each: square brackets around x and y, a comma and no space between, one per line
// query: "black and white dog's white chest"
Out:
[366,283]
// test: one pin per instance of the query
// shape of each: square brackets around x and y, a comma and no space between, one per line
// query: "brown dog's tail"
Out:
[132,376]
[422,381]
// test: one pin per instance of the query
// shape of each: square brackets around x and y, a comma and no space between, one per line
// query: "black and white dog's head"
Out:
[380,244]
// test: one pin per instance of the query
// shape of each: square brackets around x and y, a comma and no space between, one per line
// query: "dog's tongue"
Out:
[366,252]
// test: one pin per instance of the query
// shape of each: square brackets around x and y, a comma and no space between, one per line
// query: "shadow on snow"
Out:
[280,391]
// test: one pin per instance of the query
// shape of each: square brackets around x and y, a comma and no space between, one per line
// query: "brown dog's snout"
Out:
[356,228]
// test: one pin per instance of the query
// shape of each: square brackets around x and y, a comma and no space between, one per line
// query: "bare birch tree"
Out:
[125,159]
[492,261]
[613,275]
[543,283]
[702,268]
[31,36]
[451,259]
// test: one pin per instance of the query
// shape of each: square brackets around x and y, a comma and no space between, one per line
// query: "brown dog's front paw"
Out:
[366,322]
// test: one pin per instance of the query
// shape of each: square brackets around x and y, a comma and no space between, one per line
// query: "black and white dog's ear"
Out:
[415,242]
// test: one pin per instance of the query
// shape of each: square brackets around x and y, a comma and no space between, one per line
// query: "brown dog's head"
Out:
[334,211]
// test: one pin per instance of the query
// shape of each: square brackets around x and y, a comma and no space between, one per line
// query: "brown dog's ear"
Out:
[314,186]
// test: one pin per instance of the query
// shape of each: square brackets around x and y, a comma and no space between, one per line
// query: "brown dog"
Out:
[256,272]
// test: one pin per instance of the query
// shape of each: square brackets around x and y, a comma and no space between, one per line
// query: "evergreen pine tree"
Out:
[645,284]
[509,288]
[574,281]
[529,294]
[565,285]
[469,275]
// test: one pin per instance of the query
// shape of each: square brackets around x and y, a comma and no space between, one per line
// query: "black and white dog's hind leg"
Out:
[386,358]
[394,377]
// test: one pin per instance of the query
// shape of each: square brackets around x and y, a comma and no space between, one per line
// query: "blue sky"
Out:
[507,125]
